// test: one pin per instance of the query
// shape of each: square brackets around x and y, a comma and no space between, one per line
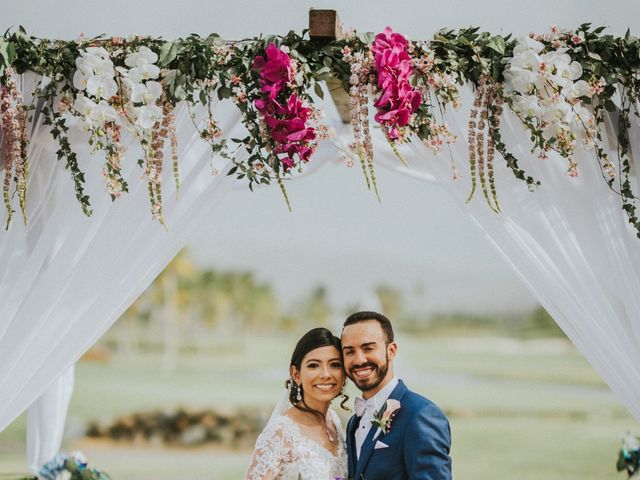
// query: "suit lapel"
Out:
[354,421]
[369,443]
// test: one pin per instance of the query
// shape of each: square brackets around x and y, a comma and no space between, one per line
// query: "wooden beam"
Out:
[325,25]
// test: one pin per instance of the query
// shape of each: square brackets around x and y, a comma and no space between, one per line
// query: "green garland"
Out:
[198,70]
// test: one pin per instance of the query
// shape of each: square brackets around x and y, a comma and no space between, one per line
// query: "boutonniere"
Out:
[385,415]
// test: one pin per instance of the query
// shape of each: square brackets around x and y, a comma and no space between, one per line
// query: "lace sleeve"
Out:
[272,451]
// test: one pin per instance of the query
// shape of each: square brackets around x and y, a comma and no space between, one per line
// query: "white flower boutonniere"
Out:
[385,415]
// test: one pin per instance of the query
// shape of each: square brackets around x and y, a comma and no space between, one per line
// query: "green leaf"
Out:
[609,105]
[595,56]
[203,97]
[168,53]
[497,43]
[224,92]
[367,37]
[170,76]
[7,52]
[318,89]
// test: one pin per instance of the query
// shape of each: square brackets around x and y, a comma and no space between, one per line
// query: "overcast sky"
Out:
[338,234]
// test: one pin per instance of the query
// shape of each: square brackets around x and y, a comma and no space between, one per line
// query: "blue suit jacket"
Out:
[418,440]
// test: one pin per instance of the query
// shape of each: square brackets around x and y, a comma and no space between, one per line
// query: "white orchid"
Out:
[96,52]
[103,112]
[80,79]
[143,56]
[576,90]
[148,115]
[95,73]
[546,88]
[142,65]
[84,105]
[143,72]
[527,43]
[528,105]
[522,81]
[94,114]
[147,93]
[101,86]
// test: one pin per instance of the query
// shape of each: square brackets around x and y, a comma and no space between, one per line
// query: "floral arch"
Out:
[544,128]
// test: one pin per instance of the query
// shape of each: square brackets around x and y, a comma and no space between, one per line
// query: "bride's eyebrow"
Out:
[337,359]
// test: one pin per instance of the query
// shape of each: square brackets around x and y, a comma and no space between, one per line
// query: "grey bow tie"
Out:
[361,405]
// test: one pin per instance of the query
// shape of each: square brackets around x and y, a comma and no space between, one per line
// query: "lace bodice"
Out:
[283,453]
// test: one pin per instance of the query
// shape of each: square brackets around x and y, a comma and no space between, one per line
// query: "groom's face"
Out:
[367,356]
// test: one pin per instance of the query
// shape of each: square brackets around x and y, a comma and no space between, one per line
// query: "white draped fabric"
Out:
[569,241]
[67,278]
[46,420]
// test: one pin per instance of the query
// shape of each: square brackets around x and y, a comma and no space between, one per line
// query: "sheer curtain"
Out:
[569,242]
[66,278]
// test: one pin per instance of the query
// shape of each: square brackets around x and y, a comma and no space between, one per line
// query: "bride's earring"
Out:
[299,394]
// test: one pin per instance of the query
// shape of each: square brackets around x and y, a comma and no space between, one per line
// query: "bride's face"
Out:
[321,375]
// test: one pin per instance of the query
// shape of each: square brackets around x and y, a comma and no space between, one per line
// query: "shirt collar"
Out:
[379,398]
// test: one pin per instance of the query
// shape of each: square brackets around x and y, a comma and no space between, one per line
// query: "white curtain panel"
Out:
[46,420]
[569,242]
[66,278]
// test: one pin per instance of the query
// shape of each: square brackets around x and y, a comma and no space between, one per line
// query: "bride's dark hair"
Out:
[315,338]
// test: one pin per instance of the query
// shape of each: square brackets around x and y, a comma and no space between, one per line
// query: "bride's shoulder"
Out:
[296,416]
[280,427]
[337,421]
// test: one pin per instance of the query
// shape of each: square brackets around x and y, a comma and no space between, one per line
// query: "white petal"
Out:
[154,91]
[135,75]
[97,51]
[147,55]
[150,71]
[79,80]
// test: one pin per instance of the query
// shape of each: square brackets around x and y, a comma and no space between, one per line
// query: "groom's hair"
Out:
[384,322]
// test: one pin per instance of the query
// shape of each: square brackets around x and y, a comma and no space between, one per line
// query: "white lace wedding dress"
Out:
[283,453]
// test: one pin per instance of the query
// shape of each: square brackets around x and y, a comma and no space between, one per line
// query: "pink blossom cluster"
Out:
[398,99]
[286,119]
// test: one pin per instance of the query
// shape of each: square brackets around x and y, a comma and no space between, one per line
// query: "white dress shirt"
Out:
[373,405]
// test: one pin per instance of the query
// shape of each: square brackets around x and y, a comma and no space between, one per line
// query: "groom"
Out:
[395,433]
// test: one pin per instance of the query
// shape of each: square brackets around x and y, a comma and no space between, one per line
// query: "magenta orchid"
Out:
[398,99]
[286,119]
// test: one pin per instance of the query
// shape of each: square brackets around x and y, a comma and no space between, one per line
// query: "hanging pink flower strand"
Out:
[398,99]
[286,119]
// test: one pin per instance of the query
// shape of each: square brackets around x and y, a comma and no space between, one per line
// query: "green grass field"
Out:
[518,409]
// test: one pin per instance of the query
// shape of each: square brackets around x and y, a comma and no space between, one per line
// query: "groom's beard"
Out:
[376,378]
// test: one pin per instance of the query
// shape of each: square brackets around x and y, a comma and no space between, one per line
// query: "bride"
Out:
[303,439]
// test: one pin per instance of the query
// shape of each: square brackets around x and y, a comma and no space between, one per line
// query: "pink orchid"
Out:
[383,419]
[287,162]
[287,131]
[392,407]
[398,99]
[277,66]
[388,39]
[286,118]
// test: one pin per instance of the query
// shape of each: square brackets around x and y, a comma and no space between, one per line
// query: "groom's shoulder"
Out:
[415,402]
